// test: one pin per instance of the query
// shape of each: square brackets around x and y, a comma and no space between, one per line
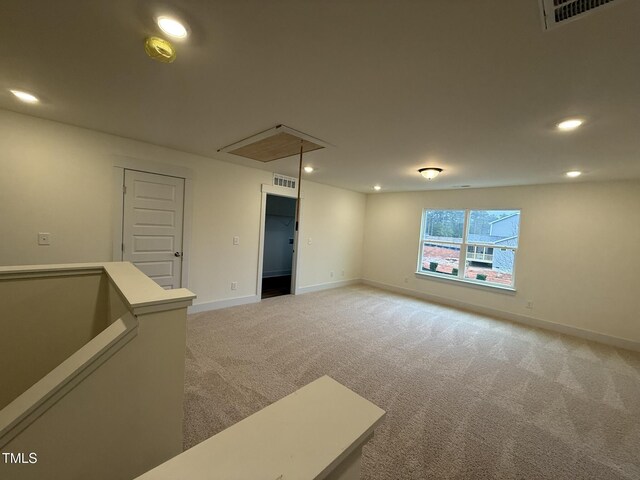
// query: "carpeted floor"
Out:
[466,396]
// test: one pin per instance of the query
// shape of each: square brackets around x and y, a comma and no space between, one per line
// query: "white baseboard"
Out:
[327,286]
[276,273]
[514,317]
[218,304]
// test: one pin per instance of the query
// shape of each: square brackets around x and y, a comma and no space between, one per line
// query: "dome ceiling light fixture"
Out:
[430,172]
[160,49]
[308,169]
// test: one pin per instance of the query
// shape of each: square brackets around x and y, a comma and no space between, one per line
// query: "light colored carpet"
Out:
[466,396]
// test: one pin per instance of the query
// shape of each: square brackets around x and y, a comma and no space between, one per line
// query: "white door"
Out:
[152,225]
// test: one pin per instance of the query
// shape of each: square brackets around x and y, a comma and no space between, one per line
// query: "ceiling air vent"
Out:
[558,12]
[284,181]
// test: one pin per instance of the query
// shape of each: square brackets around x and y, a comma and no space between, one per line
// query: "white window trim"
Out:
[420,273]
[470,283]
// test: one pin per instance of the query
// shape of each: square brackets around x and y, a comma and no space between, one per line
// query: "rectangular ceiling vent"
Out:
[284,181]
[558,12]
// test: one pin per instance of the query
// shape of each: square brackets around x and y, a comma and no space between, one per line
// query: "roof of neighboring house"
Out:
[472,238]
[504,218]
[505,239]
[429,238]
[479,238]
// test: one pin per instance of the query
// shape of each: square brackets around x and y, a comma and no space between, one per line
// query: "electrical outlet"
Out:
[236,240]
[331,274]
[44,238]
[530,305]
[309,242]
[234,285]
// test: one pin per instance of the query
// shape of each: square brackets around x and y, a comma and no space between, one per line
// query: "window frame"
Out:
[464,245]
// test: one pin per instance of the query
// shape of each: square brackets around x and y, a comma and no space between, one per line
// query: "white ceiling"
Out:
[474,87]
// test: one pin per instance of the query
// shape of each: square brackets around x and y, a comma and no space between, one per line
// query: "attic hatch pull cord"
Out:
[299,182]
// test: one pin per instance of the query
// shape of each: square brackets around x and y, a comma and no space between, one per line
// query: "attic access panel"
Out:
[274,144]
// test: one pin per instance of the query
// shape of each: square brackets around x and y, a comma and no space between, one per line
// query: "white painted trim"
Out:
[122,163]
[117,215]
[137,290]
[280,192]
[276,273]
[316,432]
[218,304]
[150,166]
[263,216]
[187,223]
[39,398]
[161,307]
[9,275]
[327,286]
[295,263]
[514,317]
[466,282]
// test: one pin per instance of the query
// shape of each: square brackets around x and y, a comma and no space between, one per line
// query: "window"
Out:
[484,242]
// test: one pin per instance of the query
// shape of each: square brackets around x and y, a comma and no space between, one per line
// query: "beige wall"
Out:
[43,321]
[576,260]
[333,219]
[134,401]
[58,179]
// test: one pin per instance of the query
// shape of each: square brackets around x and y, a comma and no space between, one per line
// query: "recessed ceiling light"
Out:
[308,169]
[570,124]
[377,188]
[172,27]
[24,96]
[430,172]
[573,173]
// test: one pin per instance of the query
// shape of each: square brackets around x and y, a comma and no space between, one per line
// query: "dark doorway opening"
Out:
[277,259]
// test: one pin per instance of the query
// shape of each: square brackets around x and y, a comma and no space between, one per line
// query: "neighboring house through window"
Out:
[484,242]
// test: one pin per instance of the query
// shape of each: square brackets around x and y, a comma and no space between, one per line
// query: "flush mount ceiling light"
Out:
[573,173]
[172,27]
[570,124]
[430,172]
[160,49]
[308,169]
[25,96]
[377,188]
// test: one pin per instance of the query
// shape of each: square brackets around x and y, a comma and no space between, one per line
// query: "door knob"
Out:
[177,254]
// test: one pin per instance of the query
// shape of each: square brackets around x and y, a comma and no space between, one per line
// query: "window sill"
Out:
[469,283]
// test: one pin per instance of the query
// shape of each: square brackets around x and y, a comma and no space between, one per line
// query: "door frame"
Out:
[122,163]
[279,192]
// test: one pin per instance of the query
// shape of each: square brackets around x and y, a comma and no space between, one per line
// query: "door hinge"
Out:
[122,247]
[124,189]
